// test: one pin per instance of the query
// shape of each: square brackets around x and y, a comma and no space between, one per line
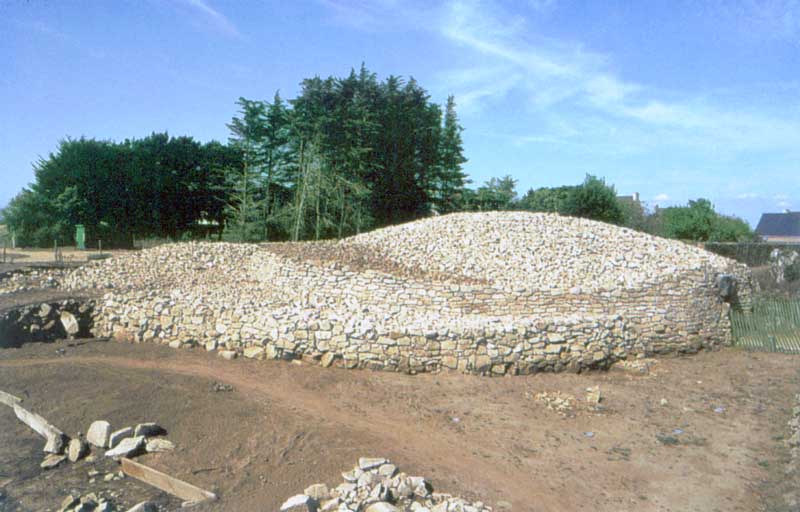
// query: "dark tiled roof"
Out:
[779,224]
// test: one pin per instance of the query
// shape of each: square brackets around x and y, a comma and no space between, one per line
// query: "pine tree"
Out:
[452,179]
[244,204]
[276,156]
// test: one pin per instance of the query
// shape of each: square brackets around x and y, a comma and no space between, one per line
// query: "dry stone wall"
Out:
[476,314]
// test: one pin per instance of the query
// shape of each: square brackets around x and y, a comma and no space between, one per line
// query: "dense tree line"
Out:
[346,155]
[158,186]
[594,199]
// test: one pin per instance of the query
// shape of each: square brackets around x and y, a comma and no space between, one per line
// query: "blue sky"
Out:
[673,99]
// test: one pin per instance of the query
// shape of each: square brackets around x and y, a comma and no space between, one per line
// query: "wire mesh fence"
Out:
[772,325]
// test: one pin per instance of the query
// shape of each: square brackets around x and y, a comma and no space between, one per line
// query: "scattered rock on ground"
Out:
[374,485]
[366,463]
[593,395]
[299,502]
[145,506]
[119,435]
[68,502]
[254,353]
[99,433]
[221,386]
[53,460]
[318,492]
[158,445]
[128,447]
[77,449]
[557,401]
[148,429]
[228,354]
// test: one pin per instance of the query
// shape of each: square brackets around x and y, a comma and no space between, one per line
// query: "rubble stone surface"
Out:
[492,293]
[376,492]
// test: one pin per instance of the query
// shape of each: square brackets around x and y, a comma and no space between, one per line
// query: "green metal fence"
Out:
[771,326]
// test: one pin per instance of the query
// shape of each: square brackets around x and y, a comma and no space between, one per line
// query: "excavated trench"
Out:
[46,321]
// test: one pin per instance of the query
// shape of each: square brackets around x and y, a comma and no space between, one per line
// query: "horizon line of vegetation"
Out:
[345,156]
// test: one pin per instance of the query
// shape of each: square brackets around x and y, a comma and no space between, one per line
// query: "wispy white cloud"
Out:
[377,15]
[205,15]
[565,77]
[661,197]
[571,93]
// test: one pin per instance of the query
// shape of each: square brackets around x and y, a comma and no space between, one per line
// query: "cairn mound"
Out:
[536,251]
[492,292]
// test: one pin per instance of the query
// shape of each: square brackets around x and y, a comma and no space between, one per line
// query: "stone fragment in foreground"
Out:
[77,449]
[99,433]
[119,435]
[159,445]
[144,506]
[68,502]
[70,323]
[52,461]
[327,359]
[228,354]
[56,440]
[148,429]
[387,470]
[366,463]
[254,353]
[299,503]
[318,492]
[127,447]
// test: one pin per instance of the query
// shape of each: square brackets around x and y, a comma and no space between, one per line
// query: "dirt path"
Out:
[287,426]
[443,447]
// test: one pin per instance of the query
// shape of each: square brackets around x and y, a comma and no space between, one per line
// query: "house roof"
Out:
[779,224]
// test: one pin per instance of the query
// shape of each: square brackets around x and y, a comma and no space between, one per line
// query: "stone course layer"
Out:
[488,293]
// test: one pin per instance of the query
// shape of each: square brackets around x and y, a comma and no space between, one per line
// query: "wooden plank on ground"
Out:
[9,399]
[166,483]
[55,438]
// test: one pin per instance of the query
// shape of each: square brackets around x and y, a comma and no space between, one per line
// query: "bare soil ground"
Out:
[27,256]
[285,426]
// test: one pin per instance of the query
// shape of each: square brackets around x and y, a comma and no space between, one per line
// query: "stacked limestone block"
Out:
[488,293]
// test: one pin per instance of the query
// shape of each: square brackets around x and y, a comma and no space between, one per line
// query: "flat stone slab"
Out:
[9,399]
[127,447]
[367,463]
[53,460]
[56,440]
[119,435]
[99,433]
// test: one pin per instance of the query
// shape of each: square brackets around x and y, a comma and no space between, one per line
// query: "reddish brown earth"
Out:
[286,426]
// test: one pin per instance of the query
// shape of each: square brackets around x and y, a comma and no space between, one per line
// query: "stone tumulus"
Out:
[488,293]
